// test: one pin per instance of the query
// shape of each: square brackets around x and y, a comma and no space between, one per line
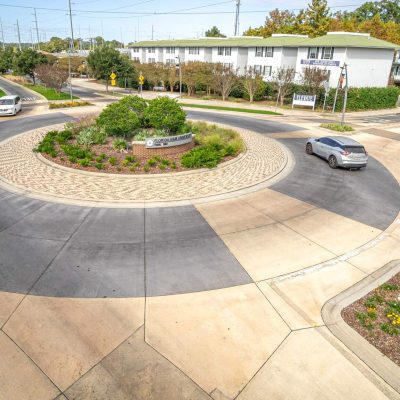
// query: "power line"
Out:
[166,12]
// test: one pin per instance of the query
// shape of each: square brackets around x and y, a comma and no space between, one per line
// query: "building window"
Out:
[220,51]
[228,51]
[257,69]
[151,50]
[259,51]
[194,50]
[312,53]
[170,61]
[327,53]
[170,50]
[136,59]
[267,70]
[269,52]
[151,60]
[136,49]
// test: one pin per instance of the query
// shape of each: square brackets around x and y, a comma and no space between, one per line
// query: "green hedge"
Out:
[365,98]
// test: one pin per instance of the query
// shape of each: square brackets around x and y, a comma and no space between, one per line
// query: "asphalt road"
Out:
[69,251]
[18,90]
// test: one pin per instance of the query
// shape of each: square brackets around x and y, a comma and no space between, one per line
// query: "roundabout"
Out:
[104,293]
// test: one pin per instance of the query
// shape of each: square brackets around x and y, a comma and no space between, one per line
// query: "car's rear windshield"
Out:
[6,102]
[355,149]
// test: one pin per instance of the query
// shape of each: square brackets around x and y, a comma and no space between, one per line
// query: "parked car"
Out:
[10,105]
[339,151]
[158,89]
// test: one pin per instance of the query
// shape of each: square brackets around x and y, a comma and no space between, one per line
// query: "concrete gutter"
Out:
[369,354]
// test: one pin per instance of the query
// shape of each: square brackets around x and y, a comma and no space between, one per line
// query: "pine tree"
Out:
[317,18]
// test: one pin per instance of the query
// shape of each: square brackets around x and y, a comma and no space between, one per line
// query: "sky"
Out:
[135,20]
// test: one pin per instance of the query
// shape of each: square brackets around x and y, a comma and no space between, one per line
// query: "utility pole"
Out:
[33,47]
[2,34]
[19,37]
[152,32]
[37,30]
[71,47]
[237,17]
[346,89]
[180,75]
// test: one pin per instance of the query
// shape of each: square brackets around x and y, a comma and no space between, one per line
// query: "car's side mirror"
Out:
[317,140]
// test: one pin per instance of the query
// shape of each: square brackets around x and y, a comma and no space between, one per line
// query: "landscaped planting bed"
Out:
[376,317]
[104,143]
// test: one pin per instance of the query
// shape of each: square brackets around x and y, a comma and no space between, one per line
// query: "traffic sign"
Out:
[141,79]
[113,82]
[113,75]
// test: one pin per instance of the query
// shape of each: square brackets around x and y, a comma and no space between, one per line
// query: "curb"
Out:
[370,355]
[27,89]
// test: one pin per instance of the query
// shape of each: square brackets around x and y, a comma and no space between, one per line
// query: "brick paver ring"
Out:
[21,170]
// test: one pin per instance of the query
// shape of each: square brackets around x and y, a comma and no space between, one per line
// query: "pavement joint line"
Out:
[178,368]
[47,267]
[23,217]
[276,310]
[33,362]
[329,263]
[103,358]
[264,363]
[364,368]
[359,347]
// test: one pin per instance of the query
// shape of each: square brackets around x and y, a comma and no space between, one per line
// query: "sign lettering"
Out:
[169,141]
[322,63]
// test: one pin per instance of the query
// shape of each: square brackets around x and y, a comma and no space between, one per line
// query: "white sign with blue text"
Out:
[304,100]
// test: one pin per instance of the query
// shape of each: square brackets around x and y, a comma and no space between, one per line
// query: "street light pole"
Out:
[70,49]
[180,75]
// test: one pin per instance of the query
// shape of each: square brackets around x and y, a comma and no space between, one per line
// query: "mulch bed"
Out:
[119,168]
[370,329]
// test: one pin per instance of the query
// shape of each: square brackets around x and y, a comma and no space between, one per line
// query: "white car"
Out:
[10,105]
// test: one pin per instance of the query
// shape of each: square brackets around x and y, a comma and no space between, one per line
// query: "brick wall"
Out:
[141,150]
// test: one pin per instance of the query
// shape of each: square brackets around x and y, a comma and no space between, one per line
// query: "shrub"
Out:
[203,156]
[91,135]
[101,157]
[84,162]
[369,98]
[62,137]
[68,104]
[135,104]
[99,165]
[337,127]
[165,113]
[152,162]
[47,144]
[76,152]
[113,160]
[118,119]
[120,144]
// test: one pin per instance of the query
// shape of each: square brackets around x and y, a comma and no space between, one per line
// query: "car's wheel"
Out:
[332,161]
[309,149]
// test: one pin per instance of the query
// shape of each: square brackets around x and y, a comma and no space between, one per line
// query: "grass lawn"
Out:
[337,127]
[49,93]
[245,110]
[2,93]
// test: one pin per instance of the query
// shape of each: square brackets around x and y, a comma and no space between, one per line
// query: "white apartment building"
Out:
[369,60]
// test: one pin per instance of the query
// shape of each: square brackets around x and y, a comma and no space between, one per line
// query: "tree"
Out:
[214,32]
[103,61]
[190,75]
[251,82]
[282,80]
[6,59]
[225,79]
[26,61]
[317,18]
[51,76]
[313,78]
[55,45]
[125,70]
